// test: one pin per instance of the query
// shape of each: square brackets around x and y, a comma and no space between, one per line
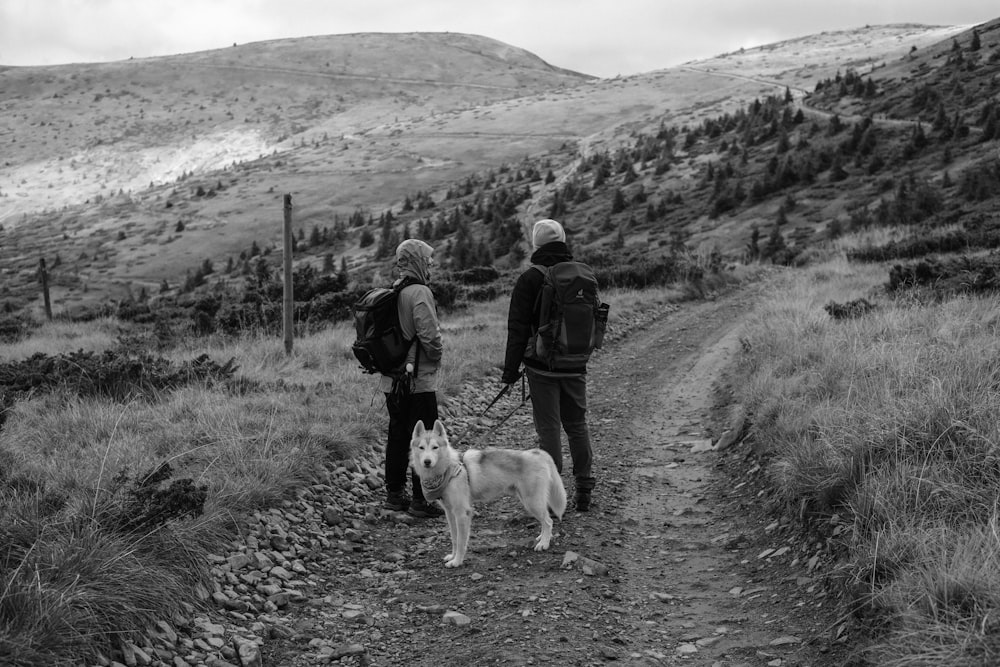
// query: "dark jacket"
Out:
[522,315]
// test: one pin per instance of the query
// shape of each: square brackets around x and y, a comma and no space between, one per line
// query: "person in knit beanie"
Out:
[558,398]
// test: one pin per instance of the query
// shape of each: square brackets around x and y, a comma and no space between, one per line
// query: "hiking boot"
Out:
[397,500]
[582,501]
[425,510]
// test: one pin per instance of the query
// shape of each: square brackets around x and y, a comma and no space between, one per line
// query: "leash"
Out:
[516,408]
[525,396]
[500,395]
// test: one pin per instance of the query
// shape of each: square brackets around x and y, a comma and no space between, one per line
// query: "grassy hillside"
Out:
[877,424]
[183,160]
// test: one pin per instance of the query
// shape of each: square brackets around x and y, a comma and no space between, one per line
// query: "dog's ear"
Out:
[419,430]
[439,428]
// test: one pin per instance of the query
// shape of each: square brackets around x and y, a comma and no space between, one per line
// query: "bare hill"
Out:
[80,130]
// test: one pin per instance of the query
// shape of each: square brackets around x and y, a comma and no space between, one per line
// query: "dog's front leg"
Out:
[452,516]
[463,526]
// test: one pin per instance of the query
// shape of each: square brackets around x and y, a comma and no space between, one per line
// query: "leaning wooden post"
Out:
[43,276]
[289,303]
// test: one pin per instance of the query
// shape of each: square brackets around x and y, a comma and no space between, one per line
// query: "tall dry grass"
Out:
[890,418]
[57,337]
[75,578]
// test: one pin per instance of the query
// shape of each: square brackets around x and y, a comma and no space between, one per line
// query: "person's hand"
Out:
[509,377]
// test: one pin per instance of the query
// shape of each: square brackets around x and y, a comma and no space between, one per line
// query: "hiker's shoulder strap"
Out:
[406,282]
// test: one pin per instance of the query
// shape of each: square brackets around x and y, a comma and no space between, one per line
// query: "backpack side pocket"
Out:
[600,323]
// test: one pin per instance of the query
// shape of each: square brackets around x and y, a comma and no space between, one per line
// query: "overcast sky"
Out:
[600,37]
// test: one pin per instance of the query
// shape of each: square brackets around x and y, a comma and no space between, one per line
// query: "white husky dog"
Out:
[458,481]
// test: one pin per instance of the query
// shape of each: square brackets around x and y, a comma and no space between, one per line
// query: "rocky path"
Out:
[679,561]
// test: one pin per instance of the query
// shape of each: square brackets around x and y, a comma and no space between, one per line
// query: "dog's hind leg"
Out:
[538,507]
[557,493]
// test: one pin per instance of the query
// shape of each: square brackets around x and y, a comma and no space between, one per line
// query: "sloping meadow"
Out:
[887,416]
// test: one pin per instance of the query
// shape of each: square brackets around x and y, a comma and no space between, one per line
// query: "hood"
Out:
[414,258]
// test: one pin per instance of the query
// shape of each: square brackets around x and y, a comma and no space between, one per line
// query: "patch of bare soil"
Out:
[678,562]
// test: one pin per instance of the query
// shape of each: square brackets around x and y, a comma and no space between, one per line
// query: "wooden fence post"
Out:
[289,303]
[43,276]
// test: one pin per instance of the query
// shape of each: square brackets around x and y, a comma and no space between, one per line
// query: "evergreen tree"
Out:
[775,244]
[618,201]
[783,142]
[990,128]
[753,247]
[837,172]
[781,219]
[834,229]
[836,125]
[940,118]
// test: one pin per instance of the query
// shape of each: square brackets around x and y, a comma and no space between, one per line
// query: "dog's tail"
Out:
[557,492]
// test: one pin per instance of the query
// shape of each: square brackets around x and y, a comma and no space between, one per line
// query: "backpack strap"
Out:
[536,307]
[404,283]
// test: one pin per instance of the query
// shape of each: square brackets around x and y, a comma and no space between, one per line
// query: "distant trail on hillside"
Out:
[798,92]
[799,95]
[356,77]
[475,135]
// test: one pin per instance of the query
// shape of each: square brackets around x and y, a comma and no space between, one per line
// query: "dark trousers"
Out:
[560,404]
[402,419]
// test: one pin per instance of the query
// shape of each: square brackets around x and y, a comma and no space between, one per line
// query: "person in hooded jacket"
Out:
[558,398]
[418,320]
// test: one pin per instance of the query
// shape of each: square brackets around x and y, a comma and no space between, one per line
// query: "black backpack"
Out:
[571,320]
[380,346]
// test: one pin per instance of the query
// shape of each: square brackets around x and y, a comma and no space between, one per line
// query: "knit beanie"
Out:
[546,231]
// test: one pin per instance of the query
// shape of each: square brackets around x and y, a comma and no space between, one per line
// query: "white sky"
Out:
[600,37]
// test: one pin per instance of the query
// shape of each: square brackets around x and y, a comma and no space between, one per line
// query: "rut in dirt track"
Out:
[696,590]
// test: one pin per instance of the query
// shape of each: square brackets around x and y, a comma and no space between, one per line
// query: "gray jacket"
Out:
[418,317]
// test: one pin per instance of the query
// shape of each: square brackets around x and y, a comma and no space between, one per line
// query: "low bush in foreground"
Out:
[890,418]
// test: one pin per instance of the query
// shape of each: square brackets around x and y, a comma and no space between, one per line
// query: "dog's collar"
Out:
[434,488]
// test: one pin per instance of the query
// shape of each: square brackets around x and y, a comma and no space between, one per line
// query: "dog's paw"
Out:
[540,544]
[454,562]
[449,557]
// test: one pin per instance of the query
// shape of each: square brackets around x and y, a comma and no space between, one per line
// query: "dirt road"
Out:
[677,563]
